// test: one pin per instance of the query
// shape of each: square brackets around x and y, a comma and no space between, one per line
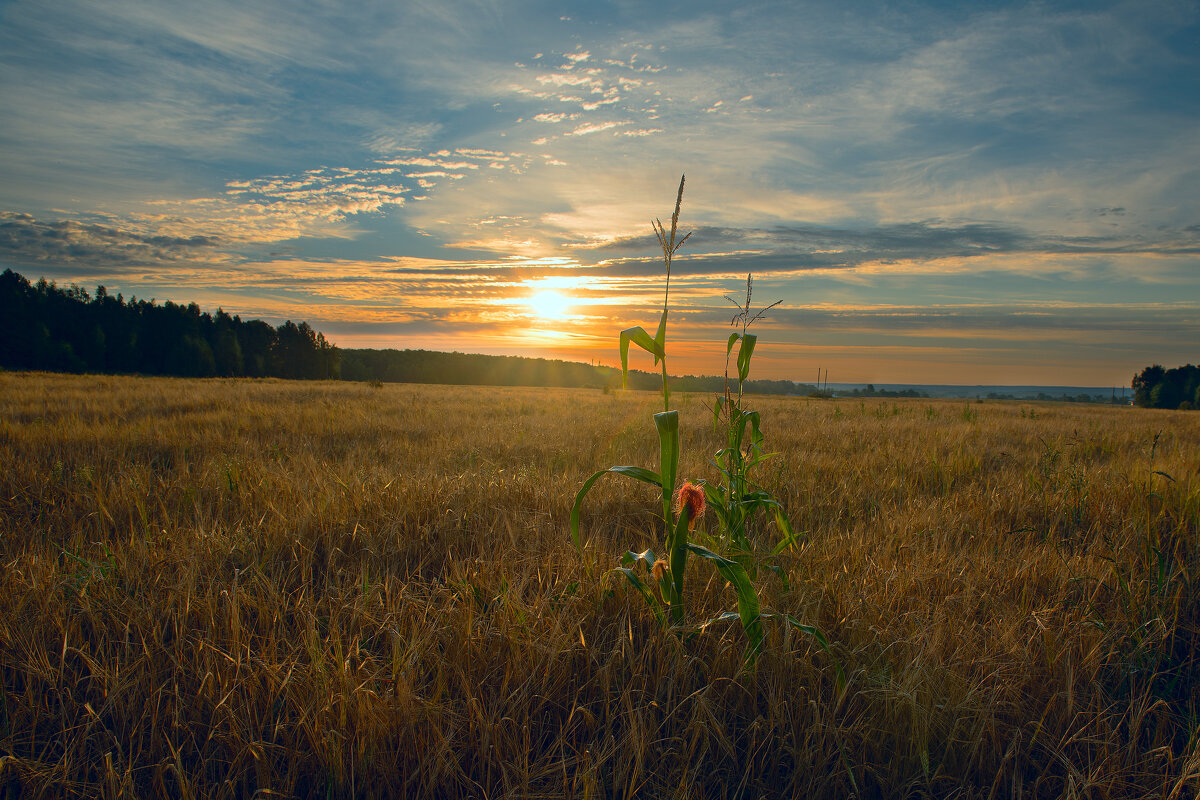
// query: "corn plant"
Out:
[660,581]
[666,421]
[735,499]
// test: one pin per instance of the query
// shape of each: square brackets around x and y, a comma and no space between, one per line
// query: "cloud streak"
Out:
[33,242]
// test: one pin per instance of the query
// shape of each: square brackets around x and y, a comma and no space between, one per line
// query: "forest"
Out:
[1175,388]
[68,330]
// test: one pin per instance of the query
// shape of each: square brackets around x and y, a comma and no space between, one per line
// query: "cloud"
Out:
[595,127]
[808,247]
[397,138]
[29,241]
[323,202]
[559,117]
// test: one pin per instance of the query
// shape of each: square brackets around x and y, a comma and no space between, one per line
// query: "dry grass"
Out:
[218,588]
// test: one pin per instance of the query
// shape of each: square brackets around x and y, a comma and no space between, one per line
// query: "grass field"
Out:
[222,588]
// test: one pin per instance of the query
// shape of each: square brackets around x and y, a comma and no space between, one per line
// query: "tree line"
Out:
[1158,387]
[44,327]
[871,391]
[426,366]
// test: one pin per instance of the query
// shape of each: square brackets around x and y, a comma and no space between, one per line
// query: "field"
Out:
[222,588]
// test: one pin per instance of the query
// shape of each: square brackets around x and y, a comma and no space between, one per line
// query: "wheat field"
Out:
[219,588]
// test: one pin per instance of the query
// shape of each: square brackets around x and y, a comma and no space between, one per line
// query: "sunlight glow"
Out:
[549,304]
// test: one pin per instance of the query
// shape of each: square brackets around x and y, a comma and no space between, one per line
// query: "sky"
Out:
[965,193]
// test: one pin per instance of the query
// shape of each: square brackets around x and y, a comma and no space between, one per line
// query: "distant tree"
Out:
[1156,387]
[1144,382]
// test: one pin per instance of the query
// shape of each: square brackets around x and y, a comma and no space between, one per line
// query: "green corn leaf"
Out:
[758,459]
[810,630]
[781,574]
[739,428]
[785,528]
[660,336]
[724,616]
[744,354]
[667,423]
[749,610]
[714,494]
[647,595]
[637,473]
[755,422]
[660,339]
[646,558]
[717,406]
[733,337]
[642,339]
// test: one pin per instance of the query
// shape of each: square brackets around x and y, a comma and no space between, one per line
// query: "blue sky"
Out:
[937,192]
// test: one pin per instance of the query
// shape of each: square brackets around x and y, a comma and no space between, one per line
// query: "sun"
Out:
[549,304]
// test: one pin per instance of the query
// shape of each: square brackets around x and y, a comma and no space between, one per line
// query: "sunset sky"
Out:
[999,193]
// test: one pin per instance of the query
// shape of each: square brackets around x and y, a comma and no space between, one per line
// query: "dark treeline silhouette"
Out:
[426,366]
[43,327]
[1083,397]
[871,391]
[1158,387]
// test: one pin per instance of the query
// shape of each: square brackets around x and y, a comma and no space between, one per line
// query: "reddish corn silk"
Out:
[690,500]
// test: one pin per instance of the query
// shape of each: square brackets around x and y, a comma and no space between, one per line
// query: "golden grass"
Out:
[217,588]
